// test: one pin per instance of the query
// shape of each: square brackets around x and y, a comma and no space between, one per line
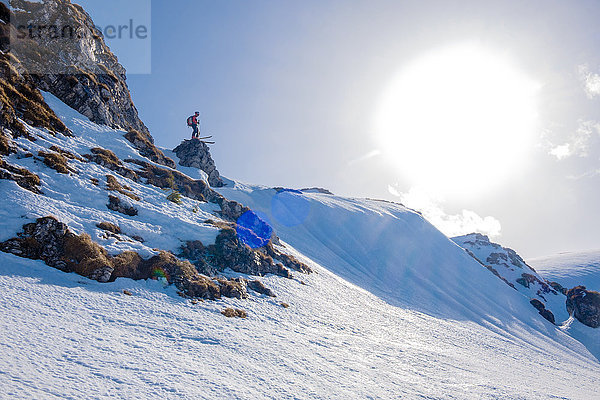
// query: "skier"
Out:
[193,122]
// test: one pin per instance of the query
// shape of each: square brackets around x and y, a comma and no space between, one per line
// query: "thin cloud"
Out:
[465,222]
[590,80]
[364,157]
[578,143]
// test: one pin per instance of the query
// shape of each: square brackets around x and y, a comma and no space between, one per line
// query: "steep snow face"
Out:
[80,198]
[384,248]
[571,269]
[510,267]
[392,252]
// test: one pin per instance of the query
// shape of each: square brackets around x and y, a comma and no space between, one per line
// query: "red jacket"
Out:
[193,120]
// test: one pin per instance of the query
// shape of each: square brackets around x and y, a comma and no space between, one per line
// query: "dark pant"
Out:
[195,132]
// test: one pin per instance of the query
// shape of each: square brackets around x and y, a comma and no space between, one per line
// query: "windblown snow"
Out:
[394,309]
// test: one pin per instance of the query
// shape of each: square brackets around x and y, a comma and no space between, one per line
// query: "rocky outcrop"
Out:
[259,287]
[51,241]
[193,188]
[23,177]
[118,205]
[584,305]
[547,314]
[108,159]
[196,154]
[20,99]
[229,252]
[234,288]
[147,148]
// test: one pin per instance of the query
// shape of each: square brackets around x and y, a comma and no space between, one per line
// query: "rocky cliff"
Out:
[57,46]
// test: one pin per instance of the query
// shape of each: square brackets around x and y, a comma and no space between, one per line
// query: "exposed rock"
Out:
[317,190]
[23,177]
[229,252]
[183,275]
[235,288]
[65,153]
[108,159]
[234,313]
[56,161]
[193,188]
[193,153]
[78,67]
[259,287]
[197,254]
[19,98]
[113,184]
[6,144]
[148,149]
[109,227]
[558,287]
[287,260]
[547,314]
[527,279]
[584,305]
[51,241]
[116,204]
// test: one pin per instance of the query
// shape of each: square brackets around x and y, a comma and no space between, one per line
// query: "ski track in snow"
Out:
[393,310]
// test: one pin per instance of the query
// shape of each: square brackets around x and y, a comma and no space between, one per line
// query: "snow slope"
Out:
[571,269]
[79,203]
[68,337]
[394,309]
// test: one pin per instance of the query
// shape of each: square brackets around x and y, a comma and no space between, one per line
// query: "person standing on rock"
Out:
[193,122]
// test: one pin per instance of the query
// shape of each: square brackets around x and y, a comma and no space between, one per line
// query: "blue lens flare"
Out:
[253,230]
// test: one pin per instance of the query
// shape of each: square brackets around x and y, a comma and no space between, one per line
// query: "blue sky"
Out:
[289,90]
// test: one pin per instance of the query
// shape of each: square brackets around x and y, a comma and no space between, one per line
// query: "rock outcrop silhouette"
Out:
[196,154]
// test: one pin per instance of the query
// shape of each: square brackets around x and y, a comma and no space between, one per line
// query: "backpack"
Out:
[190,120]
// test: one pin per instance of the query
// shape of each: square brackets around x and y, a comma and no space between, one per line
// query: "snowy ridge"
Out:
[571,269]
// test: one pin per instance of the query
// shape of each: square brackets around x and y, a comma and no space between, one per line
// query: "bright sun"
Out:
[458,121]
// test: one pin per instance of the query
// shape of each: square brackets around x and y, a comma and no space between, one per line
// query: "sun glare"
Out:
[458,121]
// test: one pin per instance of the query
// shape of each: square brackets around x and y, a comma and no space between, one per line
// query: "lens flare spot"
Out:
[253,229]
[159,274]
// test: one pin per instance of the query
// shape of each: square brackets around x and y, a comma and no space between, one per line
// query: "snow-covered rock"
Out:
[507,265]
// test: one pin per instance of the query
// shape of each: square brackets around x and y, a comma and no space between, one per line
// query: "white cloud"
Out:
[451,225]
[562,151]
[591,81]
[578,143]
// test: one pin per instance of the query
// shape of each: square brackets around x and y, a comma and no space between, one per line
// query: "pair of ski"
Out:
[203,139]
